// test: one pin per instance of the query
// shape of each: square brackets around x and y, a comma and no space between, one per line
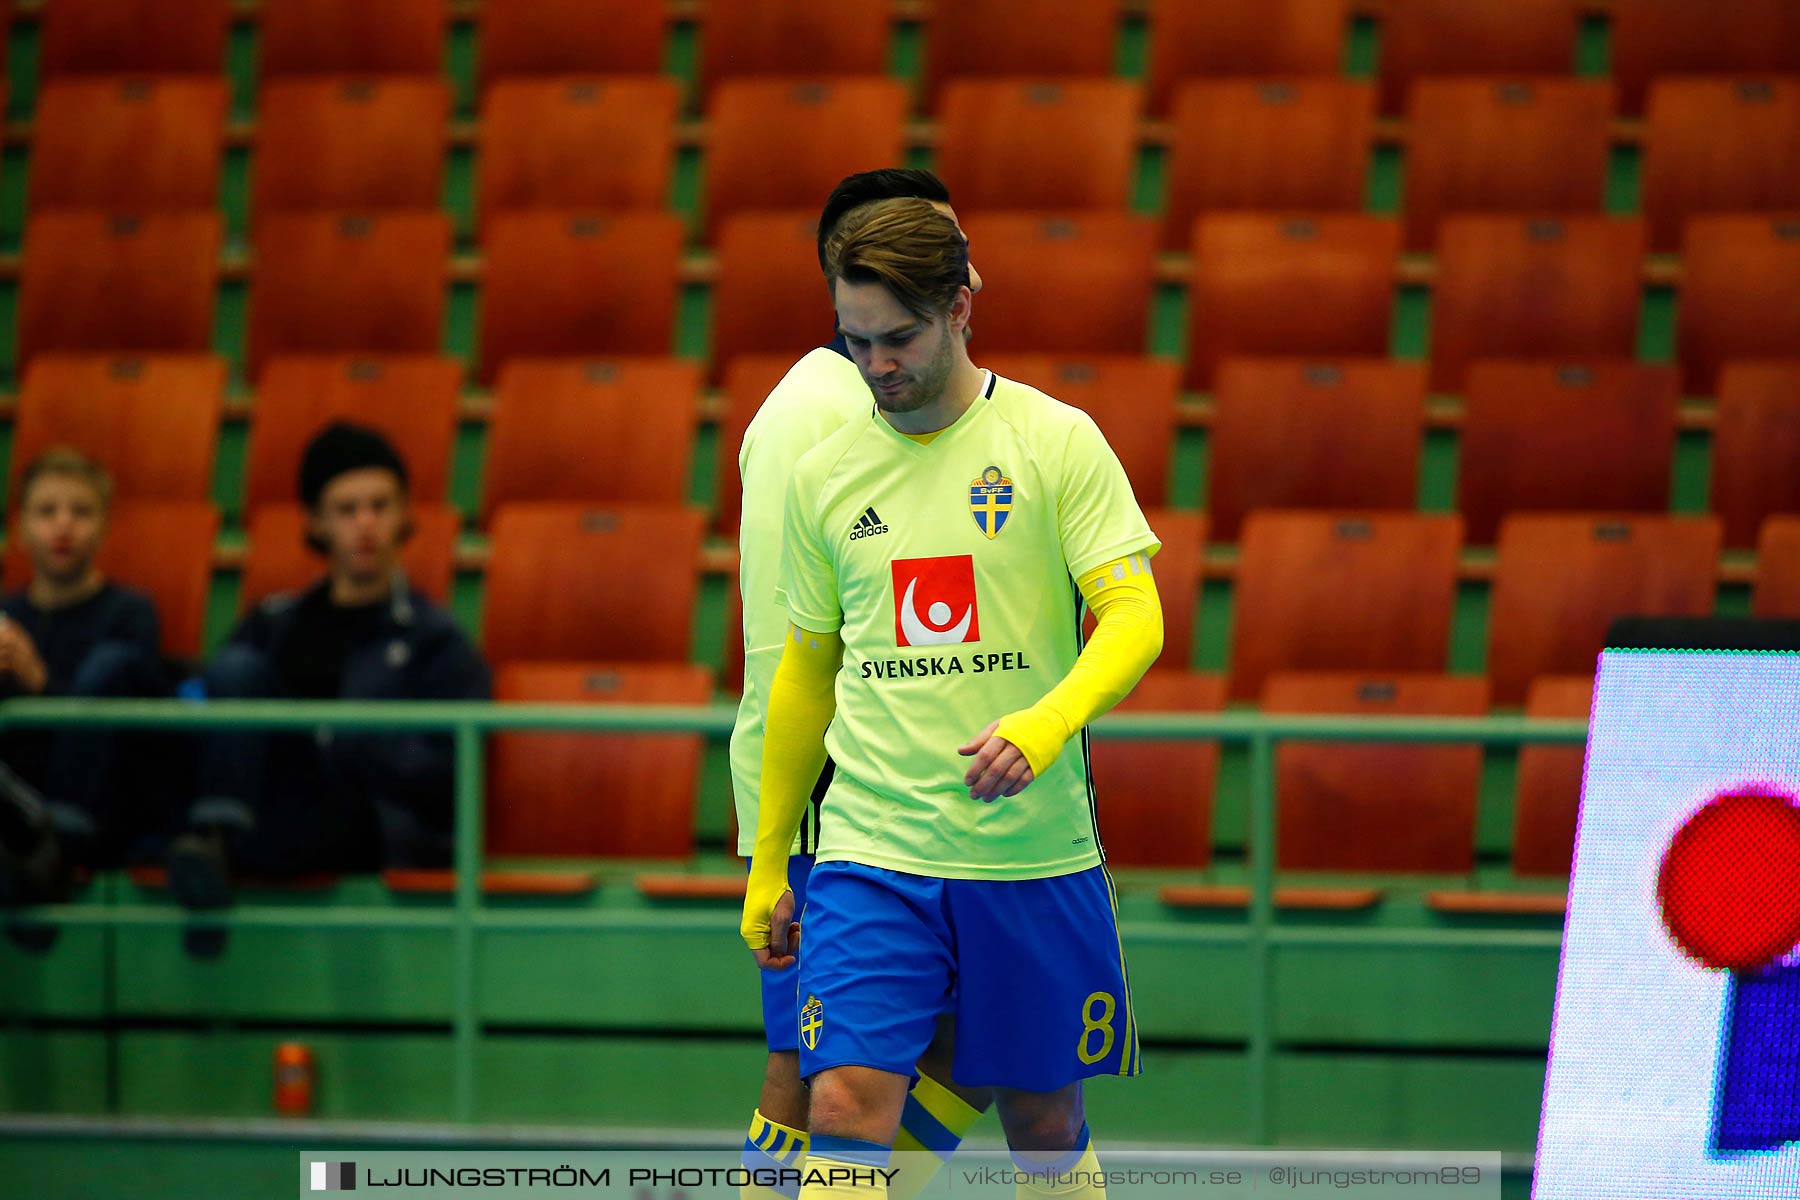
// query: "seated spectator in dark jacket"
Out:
[70,632]
[340,798]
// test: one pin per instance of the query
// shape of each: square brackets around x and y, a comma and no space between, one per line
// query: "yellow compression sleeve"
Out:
[1127,639]
[802,701]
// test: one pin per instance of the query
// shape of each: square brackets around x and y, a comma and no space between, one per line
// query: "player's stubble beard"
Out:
[922,388]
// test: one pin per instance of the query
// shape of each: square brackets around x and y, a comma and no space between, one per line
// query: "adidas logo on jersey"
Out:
[867,525]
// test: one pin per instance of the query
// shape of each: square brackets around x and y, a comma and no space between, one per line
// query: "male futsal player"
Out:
[817,396]
[933,885]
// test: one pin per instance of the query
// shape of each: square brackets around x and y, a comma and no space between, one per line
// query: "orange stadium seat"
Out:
[278,559]
[114,37]
[770,297]
[1040,144]
[1236,144]
[1132,398]
[1678,37]
[991,39]
[1550,779]
[1523,287]
[1376,806]
[1755,446]
[791,37]
[1777,591]
[153,423]
[573,581]
[1280,284]
[1155,798]
[1717,146]
[1576,436]
[412,400]
[326,37]
[147,145]
[1271,39]
[1504,145]
[601,795]
[1740,294]
[1342,591]
[748,381]
[1077,284]
[165,548]
[594,432]
[161,547]
[366,285]
[1300,433]
[1560,580]
[1474,37]
[352,144]
[818,129]
[572,285]
[585,143]
[98,281]
[571,37]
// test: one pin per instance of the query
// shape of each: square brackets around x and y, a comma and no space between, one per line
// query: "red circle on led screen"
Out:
[1730,881]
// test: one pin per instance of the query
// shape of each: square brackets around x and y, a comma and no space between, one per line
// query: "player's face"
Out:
[359,519]
[61,523]
[906,361]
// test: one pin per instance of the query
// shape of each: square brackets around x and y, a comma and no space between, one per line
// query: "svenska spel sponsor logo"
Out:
[934,601]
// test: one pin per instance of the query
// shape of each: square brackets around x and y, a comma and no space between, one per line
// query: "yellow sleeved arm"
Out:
[802,701]
[1127,638]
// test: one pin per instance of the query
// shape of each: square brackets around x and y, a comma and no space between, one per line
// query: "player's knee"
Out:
[843,1104]
[1042,1120]
[1044,1131]
[836,1109]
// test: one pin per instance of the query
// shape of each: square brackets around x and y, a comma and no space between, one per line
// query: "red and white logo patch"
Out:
[934,601]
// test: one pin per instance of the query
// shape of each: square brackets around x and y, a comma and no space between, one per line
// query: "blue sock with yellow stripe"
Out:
[770,1148]
[932,1126]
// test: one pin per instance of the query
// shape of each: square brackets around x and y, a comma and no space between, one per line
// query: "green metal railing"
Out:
[470,722]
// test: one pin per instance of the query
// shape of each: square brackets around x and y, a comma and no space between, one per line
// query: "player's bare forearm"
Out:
[1128,635]
[802,701]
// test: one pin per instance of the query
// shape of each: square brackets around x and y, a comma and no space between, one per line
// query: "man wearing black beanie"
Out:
[340,799]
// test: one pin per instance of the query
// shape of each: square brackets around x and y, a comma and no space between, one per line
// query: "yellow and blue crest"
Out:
[812,1021]
[990,501]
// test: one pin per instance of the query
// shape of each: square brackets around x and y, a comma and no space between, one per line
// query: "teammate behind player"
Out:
[1005,509]
[817,396]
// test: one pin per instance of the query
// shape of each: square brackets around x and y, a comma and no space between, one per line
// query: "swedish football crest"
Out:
[812,1022]
[990,501]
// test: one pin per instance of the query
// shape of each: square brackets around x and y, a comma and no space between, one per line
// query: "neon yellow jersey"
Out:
[813,400]
[950,569]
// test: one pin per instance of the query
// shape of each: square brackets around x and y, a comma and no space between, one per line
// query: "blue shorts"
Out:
[1031,969]
[779,987]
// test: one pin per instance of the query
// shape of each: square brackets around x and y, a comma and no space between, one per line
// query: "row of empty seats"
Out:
[965,38]
[1324,590]
[558,285]
[1350,808]
[1344,807]
[1283,433]
[378,144]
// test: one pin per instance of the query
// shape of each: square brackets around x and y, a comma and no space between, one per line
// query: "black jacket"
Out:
[418,653]
[64,636]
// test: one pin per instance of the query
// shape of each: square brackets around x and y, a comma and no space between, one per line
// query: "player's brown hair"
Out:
[866,187]
[908,247]
[66,461]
